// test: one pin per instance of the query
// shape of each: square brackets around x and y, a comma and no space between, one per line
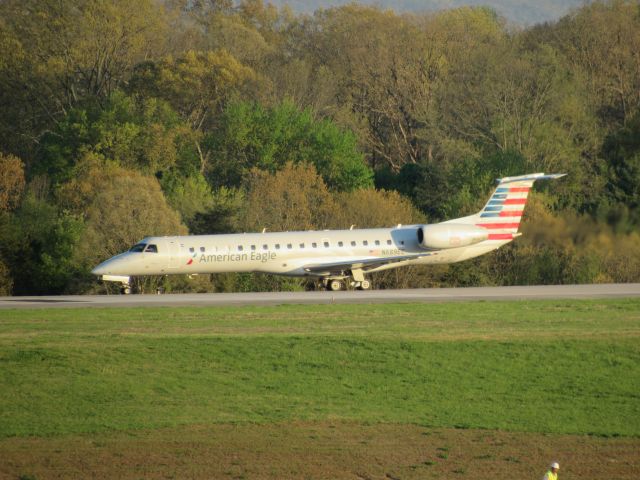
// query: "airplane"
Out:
[336,259]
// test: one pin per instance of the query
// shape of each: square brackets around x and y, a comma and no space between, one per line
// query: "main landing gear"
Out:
[335,285]
[353,278]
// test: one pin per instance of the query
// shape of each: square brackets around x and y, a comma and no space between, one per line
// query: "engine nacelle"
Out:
[450,235]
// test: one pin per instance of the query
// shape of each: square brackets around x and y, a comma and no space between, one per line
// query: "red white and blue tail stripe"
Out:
[502,214]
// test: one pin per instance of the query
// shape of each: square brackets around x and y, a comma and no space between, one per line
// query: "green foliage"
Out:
[12,181]
[566,249]
[38,244]
[6,282]
[254,282]
[374,208]
[294,198]
[189,195]
[424,183]
[196,84]
[223,216]
[60,149]
[297,198]
[119,208]
[601,40]
[65,53]
[447,191]
[251,136]
[145,135]
[621,151]
[547,366]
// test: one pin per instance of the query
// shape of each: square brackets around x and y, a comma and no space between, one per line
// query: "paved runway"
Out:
[374,296]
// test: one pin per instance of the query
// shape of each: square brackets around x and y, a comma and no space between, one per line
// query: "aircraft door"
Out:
[174,253]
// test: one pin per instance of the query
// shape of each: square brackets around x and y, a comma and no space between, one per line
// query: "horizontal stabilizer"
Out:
[532,177]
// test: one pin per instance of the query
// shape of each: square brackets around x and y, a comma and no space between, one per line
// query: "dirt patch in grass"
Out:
[317,450]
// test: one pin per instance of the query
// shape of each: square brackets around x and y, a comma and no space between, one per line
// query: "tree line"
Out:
[120,120]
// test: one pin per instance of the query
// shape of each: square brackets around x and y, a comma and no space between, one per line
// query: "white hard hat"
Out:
[555,465]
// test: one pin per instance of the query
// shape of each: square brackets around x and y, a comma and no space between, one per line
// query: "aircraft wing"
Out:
[362,264]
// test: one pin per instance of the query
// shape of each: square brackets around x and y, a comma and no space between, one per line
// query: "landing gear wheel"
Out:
[364,285]
[125,290]
[335,285]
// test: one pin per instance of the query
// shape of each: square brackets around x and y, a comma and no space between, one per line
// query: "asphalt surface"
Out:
[422,295]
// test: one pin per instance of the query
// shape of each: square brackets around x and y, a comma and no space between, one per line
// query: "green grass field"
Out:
[547,366]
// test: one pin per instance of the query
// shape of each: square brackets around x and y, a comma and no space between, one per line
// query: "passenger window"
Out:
[138,247]
[253,247]
[340,244]
[314,245]
[240,248]
[302,245]
[353,243]
[265,247]
[202,249]
[388,242]
[289,246]
[151,249]
[377,242]
[326,244]
[364,242]
[191,249]
[277,246]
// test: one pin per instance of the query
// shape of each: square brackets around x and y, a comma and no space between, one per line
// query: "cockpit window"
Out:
[151,248]
[138,247]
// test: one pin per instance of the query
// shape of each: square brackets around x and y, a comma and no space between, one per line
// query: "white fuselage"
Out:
[333,255]
[282,253]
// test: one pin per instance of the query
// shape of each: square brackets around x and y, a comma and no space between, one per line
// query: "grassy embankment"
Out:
[549,366]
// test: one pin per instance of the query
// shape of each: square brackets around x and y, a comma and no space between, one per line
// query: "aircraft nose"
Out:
[111,266]
[99,270]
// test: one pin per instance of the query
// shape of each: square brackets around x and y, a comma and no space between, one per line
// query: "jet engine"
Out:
[450,235]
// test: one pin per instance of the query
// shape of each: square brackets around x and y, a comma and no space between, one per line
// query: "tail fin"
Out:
[503,212]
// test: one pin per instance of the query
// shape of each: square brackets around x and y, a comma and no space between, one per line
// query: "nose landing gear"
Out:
[123,280]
